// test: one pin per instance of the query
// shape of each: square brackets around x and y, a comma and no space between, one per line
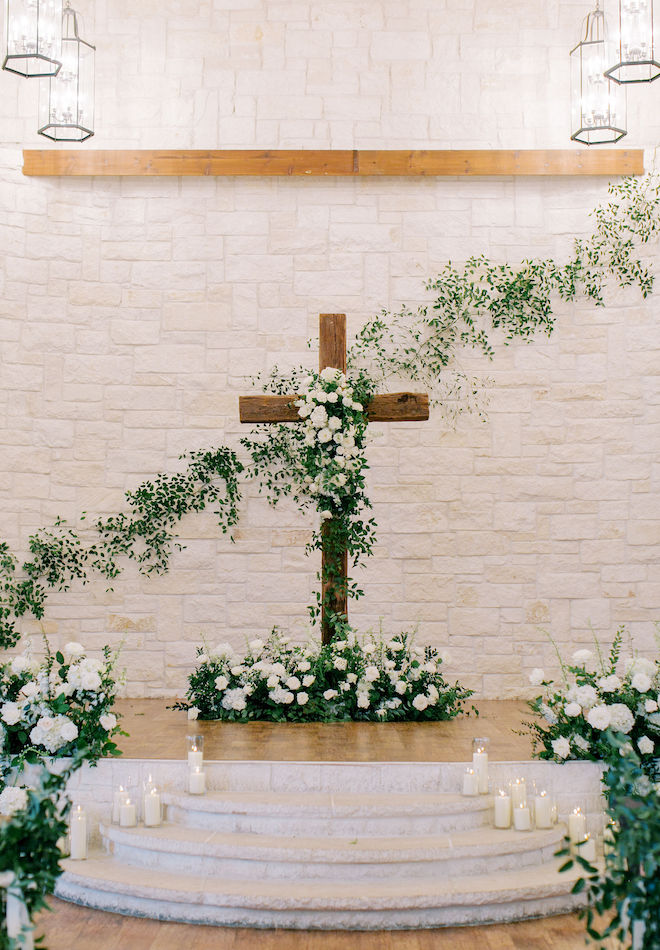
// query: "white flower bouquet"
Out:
[373,679]
[598,696]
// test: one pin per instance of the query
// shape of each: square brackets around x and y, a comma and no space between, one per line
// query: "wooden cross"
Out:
[390,407]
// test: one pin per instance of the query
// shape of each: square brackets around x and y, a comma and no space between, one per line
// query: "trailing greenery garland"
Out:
[471,303]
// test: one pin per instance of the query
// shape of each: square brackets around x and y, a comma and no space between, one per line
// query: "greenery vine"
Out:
[473,306]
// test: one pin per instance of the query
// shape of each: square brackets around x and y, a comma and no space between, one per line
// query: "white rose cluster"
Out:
[53,732]
[13,799]
[85,675]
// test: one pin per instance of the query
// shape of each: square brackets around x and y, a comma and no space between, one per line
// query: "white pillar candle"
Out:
[480,766]
[118,799]
[587,849]
[195,758]
[470,783]
[127,814]
[577,826]
[78,834]
[152,809]
[518,793]
[543,810]
[502,810]
[522,818]
[197,782]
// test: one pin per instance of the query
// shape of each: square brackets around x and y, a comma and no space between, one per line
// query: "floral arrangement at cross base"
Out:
[373,679]
[55,715]
[599,696]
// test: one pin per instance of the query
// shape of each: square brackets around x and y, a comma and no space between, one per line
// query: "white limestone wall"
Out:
[131,311]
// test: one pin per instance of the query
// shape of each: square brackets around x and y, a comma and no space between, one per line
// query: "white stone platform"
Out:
[324,845]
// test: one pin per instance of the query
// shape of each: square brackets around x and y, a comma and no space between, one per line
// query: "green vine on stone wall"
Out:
[471,303]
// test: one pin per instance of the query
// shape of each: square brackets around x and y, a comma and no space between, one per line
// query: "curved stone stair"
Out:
[323,860]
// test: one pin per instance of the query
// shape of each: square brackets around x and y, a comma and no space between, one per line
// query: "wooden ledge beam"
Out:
[387,407]
[342,163]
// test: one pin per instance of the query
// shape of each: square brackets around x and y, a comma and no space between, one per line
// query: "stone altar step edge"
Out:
[281,857]
[105,884]
[329,814]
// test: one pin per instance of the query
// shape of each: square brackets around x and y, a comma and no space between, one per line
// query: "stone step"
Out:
[196,851]
[323,813]
[108,884]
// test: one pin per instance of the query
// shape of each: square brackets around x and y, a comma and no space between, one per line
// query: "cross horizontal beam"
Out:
[334,162]
[388,407]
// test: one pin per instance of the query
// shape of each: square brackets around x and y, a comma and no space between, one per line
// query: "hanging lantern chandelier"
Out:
[632,41]
[66,102]
[33,31]
[598,105]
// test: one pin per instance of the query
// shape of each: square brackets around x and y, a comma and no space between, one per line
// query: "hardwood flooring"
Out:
[77,928]
[159,733]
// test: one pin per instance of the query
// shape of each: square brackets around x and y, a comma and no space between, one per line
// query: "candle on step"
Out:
[522,818]
[118,799]
[480,763]
[196,781]
[518,792]
[470,782]
[152,808]
[543,810]
[586,848]
[577,825]
[78,833]
[195,751]
[127,814]
[502,818]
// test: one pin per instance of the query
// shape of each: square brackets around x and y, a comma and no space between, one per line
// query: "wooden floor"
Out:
[159,733]
[76,928]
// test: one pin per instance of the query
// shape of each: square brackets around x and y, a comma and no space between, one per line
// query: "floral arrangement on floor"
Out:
[599,695]
[55,715]
[372,679]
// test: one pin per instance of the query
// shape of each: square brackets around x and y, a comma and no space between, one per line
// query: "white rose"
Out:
[638,664]
[30,690]
[193,712]
[561,747]
[641,682]
[221,683]
[334,423]
[651,706]
[573,709]
[401,686]
[303,666]
[319,417]
[19,665]
[237,670]
[10,713]
[308,680]
[108,721]
[395,645]
[420,702]
[90,680]
[584,695]
[273,681]
[351,677]
[339,663]
[73,650]
[622,720]
[645,745]
[331,397]
[287,697]
[537,676]
[324,435]
[293,682]
[330,694]
[371,674]
[68,731]
[599,717]
[363,700]
[330,374]
[369,648]
[302,698]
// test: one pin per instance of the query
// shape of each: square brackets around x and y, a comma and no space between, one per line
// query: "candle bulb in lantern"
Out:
[543,810]
[480,763]
[502,817]
[78,834]
[518,792]
[118,799]
[470,782]
[577,826]
[127,814]
[522,818]
[195,751]
[196,781]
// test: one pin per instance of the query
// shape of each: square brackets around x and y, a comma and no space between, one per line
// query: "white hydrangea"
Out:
[645,745]
[283,696]
[319,417]
[12,800]
[536,676]
[585,695]
[302,698]
[73,650]
[650,706]
[340,663]
[273,681]
[222,650]
[19,664]
[303,666]
[641,682]
[256,646]
[622,720]
[548,714]
[599,717]
[573,709]
[331,374]
[561,747]
[610,684]
[582,657]
[292,683]
[234,699]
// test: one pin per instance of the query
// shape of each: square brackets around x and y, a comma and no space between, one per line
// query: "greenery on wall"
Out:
[474,306]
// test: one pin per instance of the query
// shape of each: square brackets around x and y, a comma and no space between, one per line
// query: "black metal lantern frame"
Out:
[598,104]
[67,99]
[33,35]
[633,46]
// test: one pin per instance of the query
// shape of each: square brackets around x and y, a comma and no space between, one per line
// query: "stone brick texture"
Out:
[133,311]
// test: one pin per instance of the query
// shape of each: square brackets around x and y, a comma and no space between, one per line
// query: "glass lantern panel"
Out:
[632,47]
[33,34]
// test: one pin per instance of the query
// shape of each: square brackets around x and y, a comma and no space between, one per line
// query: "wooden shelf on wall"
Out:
[347,163]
